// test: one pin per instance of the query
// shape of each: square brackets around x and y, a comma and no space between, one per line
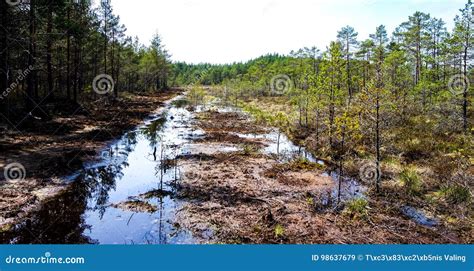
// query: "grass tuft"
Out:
[411,181]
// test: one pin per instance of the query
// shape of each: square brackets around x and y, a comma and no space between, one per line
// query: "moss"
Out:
[299,164]
[6,228]
[249,149]
[304,164]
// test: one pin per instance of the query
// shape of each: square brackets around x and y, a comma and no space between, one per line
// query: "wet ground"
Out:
[200,174]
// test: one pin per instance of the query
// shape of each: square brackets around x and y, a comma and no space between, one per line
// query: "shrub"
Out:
[180,103]
[249,149]
[357,208]
[456,194]
[302,163]
[279,231]
[411,181]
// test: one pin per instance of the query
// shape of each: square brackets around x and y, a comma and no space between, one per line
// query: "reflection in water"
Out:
[150,132]
[99,182]
[128,171]
[59,221]
[419,216]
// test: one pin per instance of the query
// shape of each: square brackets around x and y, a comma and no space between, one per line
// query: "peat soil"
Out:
[258,196]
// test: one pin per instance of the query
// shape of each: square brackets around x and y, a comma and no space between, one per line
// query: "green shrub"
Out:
[411,181]
[180,103]
[302,163]
[357,208]
[279,231]
[249,149]
[456,194]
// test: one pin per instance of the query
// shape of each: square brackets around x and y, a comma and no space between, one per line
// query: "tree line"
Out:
[420,57]
[62,46]
[406,94]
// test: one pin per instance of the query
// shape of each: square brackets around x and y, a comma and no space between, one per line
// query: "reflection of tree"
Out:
[59,221]
[150,236]
[99,182]
[130,141]
[150,132]
[161,235]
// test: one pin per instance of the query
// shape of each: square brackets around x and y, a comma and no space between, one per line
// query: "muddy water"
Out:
[128,196]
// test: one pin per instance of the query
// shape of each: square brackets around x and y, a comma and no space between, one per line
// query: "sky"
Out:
[226,31]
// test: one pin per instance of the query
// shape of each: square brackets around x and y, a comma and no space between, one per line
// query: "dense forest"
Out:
[51,51]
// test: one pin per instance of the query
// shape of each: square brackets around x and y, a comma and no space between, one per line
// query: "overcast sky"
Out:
[224,31]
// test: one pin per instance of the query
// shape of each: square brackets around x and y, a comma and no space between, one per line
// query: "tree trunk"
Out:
[68,56]
[377,142]
[31,88]
[105,38]
[49,29]
[4,58]
[466,88]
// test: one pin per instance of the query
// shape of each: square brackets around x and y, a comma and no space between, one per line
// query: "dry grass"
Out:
[255,199]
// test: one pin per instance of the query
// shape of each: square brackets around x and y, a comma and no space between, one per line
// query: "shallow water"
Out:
[143,160]
[419,216]
[131,166]
[283,147]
